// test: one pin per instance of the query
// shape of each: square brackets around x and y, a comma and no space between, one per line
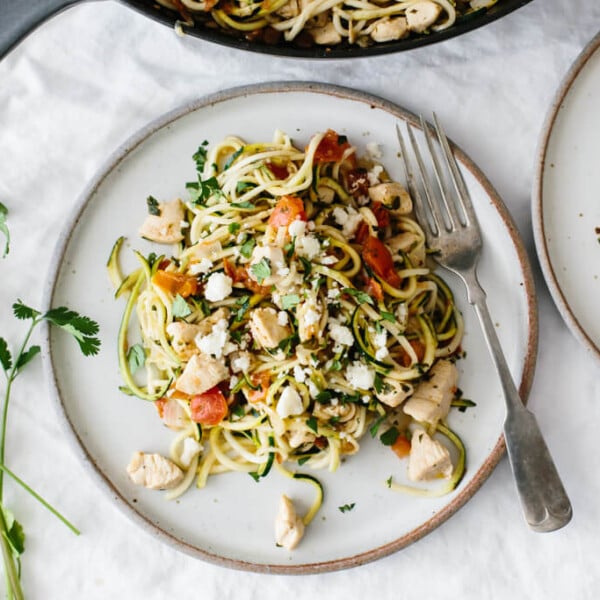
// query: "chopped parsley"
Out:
[136,357]
[289,300]
[361,297]
[346,507]
[261,269]
[311,423]
[4,230]
[389,437]
[247,247]
[152,204]
[180,307]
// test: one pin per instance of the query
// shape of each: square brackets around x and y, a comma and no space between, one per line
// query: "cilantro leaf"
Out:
[233,228]
[247,247]
[136,357]
[233,158]
[5,356]
[261,269]
[346,507]
[27,356]
[289,300]
[24,312]
[83,329]
[180,307]
[4,230]
[361,297]
[389,437]
[200,156]
[388,481]
[375,427]
[15,533]
[312,423]
[152,204]
[243,303]
[245,204]
[388,316]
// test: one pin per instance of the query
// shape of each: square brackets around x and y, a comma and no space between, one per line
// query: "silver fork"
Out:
[452,231]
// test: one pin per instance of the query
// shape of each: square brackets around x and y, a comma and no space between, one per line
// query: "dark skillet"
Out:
[19,17]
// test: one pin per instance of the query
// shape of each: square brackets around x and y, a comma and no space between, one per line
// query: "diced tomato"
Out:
[209,408]
[262,380]
[286,211]
[374,289]
[358,182]
[331,148]
[239,274]
[419,349]
[362,232]
[280,171]
[379,258]
[401,446]
[381,214]
[175,283]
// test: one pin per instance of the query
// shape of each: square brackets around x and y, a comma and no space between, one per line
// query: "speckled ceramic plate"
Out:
[566,198]
[230,522]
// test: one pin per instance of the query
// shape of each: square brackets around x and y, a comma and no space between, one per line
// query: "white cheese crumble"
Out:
[311,317]
[297,228]
[289,403]
[360,376]
[373,175]
[218,287]
[299,374]
[282,317]
[347,218]
[191,448]
[308,246]
[374,150]
[341,334]
[204,266]
[215,341]
[240,364]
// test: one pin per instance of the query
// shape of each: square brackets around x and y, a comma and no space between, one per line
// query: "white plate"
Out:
[566,198]
[231,521]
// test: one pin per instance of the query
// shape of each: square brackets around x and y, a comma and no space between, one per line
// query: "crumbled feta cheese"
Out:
[308,246]
[360,376]
[215,341]
[218,287]
[329,260]
[297,228]
[282,317]
[240,364]
[299,374]
[311,317]
[374,150]
[313,390]
[373,175]
[347,218]
[204,266]
[333,293]
[191,448]
[289,403]
[341,334]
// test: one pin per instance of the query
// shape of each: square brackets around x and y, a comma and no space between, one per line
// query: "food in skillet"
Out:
[327,22]
[296,314]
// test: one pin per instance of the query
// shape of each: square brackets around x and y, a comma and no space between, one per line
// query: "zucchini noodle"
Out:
[328,22]
[297,313]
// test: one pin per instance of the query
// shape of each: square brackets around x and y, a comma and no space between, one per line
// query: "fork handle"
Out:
[544,500]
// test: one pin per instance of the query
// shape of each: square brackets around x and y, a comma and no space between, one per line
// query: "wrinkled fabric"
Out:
[85,81]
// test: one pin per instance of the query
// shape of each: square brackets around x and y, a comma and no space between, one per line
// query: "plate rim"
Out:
[537,197]
[328,565]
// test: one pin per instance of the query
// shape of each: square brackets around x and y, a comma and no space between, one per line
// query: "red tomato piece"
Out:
[374,289]
[286,211]
[209,408]
[358,182]
[175,283]
[401,446]
[381,214]
[331,148]
[280,171]
[377,255]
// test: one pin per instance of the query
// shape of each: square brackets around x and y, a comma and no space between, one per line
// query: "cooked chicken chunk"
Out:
[289,527]
[182,337]
[392,195]
[388,29]
[154,471]
[265,328]
[393,393]
[432,398]
[326,35]
[164,228]
[428,458]
[309,318]
[201,373]
[422,15]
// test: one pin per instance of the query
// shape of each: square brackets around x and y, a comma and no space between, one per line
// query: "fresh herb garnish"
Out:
[245,204]
[153,206]
[201,191]
[200,156]
[388,481]
[289,300]
[243,186]
[247,247]
[233,228]
[375,427]
[84,331]
[378,383]
[136,357]
[324,396]
[346,507]
[261,269]
[388,316]
[180,307]
[361,297]
[312,423]
[4,230]
[389,437]
[242,304]
[233,158]
[290,248]
[307,266]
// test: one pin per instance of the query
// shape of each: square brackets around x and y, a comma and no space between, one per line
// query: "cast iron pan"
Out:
[20,17]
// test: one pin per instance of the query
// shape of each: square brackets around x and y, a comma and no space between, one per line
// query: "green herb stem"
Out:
[13,584]
[41,500]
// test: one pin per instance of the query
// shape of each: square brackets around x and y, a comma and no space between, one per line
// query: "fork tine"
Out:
[432,203]
[452,220]
[422,217]
[462,193]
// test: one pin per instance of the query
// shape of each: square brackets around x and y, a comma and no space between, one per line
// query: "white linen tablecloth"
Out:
[81,85]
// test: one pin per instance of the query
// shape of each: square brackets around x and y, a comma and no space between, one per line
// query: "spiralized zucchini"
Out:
[328,22]
[297,312]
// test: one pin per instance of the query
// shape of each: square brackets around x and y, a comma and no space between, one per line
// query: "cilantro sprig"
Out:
[84,331]
[4,230]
